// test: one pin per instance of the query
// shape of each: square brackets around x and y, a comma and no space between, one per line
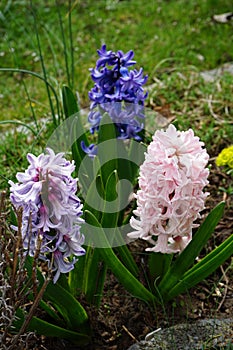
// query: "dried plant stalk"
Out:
[15,283]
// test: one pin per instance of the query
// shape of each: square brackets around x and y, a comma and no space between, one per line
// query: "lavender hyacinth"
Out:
[51,210]
[119,92]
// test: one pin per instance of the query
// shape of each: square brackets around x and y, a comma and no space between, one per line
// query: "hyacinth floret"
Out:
[113,59]
[170,195]
[51,210]
[116,87]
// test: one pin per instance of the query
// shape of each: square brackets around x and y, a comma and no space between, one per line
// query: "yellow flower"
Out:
[225,157]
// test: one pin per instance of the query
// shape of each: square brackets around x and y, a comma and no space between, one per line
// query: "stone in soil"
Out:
[207,333]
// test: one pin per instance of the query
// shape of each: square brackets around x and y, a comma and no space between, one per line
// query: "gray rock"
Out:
[191,336]
[211,75]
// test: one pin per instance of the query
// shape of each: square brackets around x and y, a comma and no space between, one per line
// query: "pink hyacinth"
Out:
[170,197]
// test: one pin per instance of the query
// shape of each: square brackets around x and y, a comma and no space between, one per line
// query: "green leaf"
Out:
[131,284]
[95,273]
[13,217]
[107,147]
[63,301]
[78,134]
[126,256]
[107,129]
[50,311]
[71,108]
[125,161]
[136,152]
[189,254]
[70,104]
[100,283]
[69,307]
[111,202]
[130,158]
[203,268]
[94,200]
[92,273]
[63,282]
[50,330]
[159,264]
[110,219]
[75,277]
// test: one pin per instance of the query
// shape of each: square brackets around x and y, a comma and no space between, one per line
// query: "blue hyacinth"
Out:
[118,90]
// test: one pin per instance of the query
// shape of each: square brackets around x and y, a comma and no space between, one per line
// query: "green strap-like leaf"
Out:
[107,147]
[50,330]
[62,300]
[51,312]
[189,254]
[75,277]
[69,307]
[107,129]
[98,268]
[203,268]
[112,202]
[91,273]
[71,108]
[126,256]
[102,270]
[131,284]
[158,264]
[70,104]
[137,151]
[94,200]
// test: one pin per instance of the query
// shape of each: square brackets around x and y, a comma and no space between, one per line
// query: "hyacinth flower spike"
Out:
[118,91]
[51,210]
[171,196]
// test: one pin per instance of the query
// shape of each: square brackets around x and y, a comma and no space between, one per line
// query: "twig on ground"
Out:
[225,289]
[129,333]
